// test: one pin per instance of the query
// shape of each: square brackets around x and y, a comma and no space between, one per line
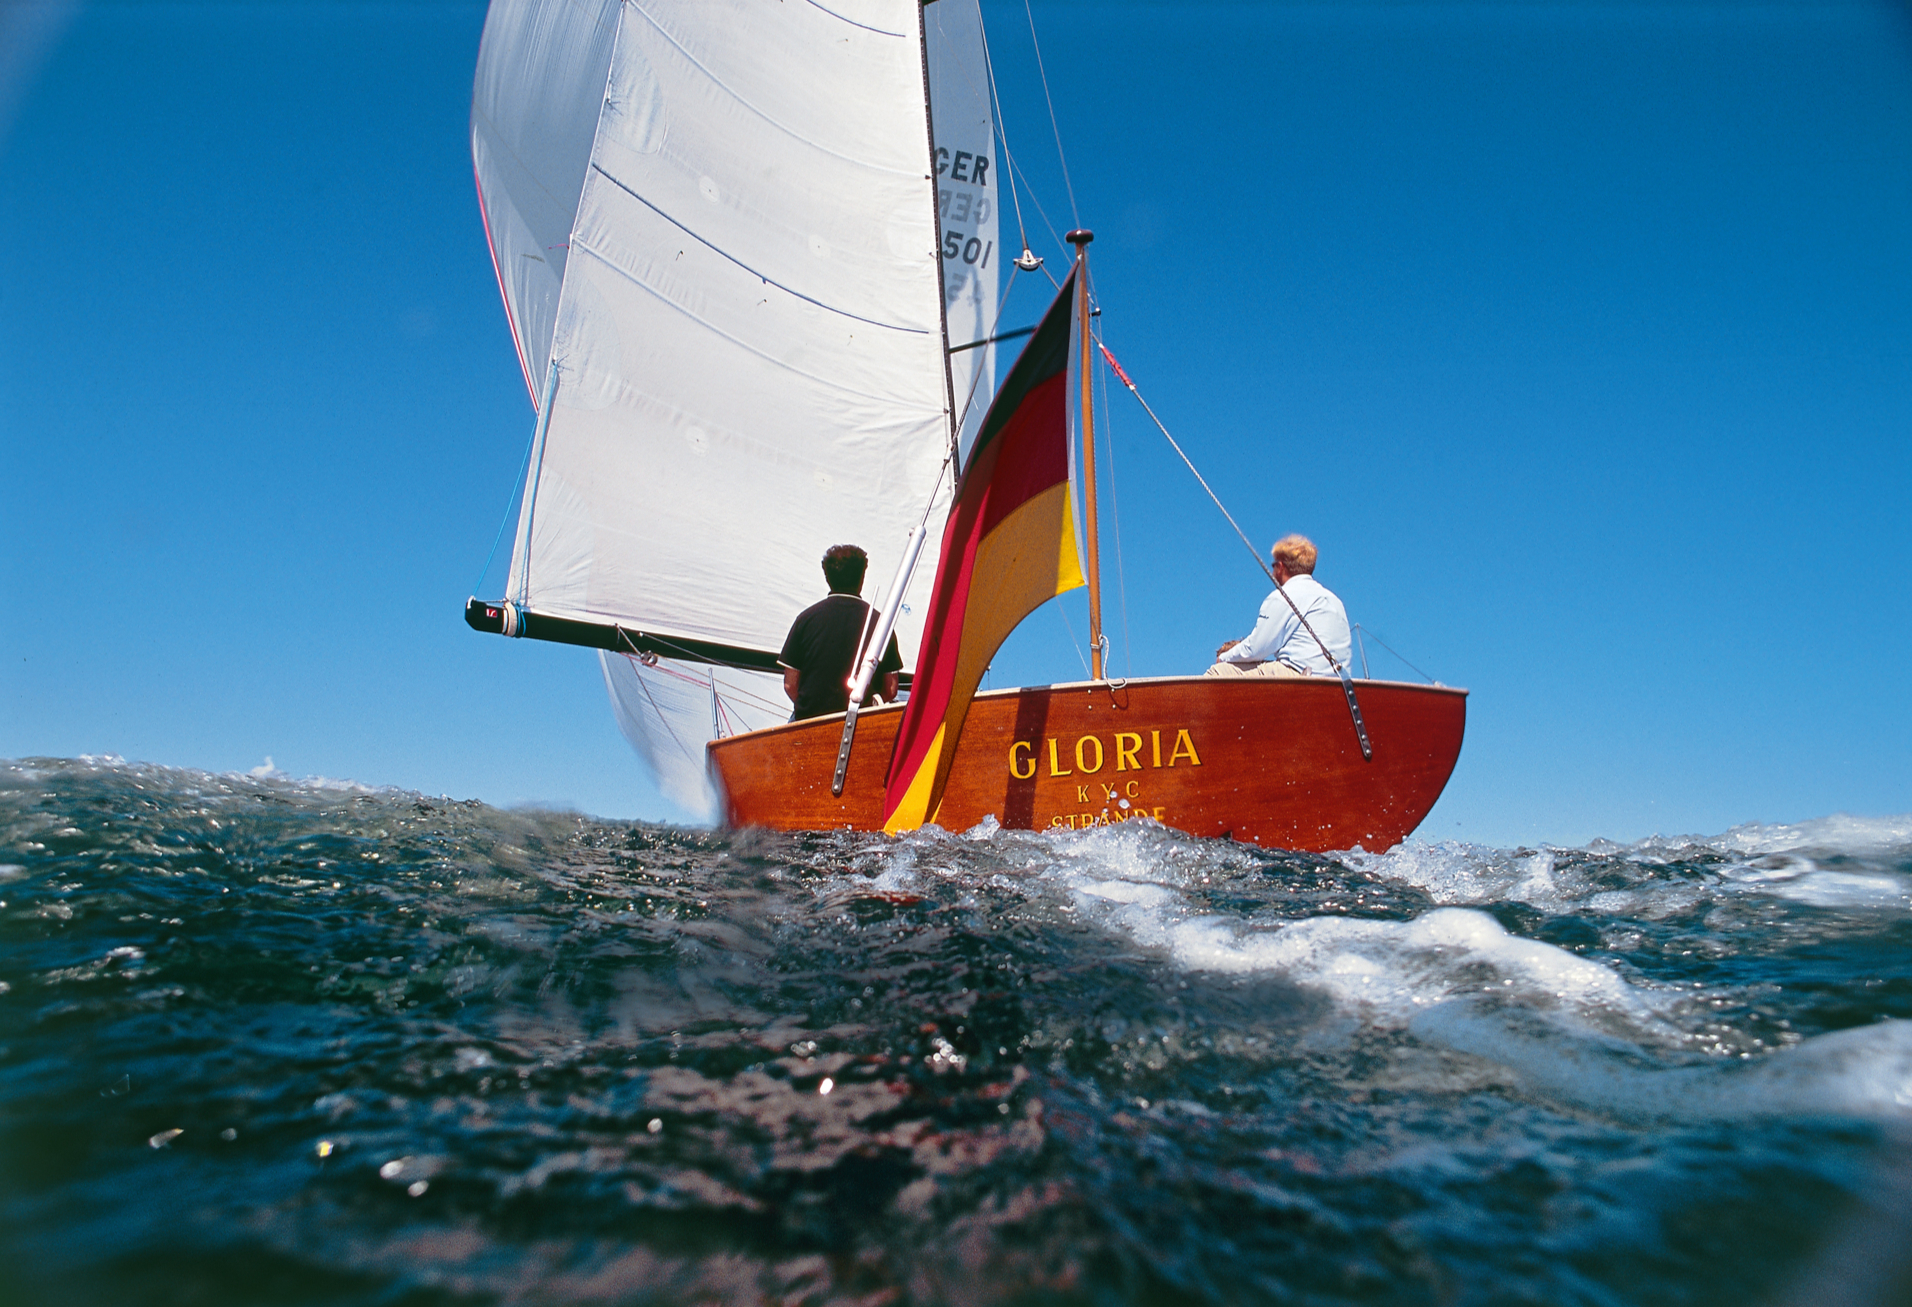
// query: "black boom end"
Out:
[486,617]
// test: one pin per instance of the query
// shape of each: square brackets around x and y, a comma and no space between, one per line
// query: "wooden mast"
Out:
[1080,239]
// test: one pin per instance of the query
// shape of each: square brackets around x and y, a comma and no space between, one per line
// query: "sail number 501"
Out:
[973,250]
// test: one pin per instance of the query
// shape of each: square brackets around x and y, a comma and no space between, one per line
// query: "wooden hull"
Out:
[1271,762]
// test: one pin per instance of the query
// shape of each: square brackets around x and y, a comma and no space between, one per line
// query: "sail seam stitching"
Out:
[737,341]
[722,254]
[853,23]
[794,135]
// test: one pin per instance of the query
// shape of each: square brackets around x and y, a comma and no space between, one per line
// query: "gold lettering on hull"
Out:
[1090,755]
[1083,763]
[1107,817]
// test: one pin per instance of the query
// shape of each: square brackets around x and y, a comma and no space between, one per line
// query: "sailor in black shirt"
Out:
[820,652]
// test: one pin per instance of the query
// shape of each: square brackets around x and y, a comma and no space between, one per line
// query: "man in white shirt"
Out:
[1280,645]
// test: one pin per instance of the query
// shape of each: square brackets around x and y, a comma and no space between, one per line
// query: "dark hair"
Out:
[843,568]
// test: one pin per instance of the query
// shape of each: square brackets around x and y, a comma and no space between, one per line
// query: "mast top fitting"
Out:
[1079,237]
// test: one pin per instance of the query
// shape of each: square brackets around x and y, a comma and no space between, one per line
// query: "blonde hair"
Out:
[1298,552]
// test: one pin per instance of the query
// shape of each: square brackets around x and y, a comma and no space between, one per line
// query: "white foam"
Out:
[1396,969]
[1566,1027]
[1840,833]
[1801,879]
[1785,861]
[1457,873]
[193,781]
[1127,891]
[1864,1072]
[1454,873]
[1391,968]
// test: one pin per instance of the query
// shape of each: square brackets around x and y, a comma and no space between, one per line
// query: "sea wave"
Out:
[378,1044]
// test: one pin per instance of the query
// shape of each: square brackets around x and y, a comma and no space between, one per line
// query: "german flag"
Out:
[1009,547]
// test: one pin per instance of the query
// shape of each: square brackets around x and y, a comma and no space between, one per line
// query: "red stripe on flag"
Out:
[1025,464]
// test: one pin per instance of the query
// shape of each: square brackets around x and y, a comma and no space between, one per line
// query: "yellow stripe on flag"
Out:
[1069,569]
[912,811]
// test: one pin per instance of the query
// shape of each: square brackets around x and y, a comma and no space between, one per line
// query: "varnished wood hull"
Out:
[1272,762]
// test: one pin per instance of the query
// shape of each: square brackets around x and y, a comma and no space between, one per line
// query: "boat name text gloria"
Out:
[1090,757]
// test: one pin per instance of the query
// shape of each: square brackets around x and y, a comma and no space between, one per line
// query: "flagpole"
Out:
[1080,239]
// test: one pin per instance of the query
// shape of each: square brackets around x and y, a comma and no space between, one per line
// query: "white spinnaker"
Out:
[534,109]
[966,199]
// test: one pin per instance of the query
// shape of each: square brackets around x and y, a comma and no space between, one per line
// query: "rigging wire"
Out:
[1002,302]
[1009,158]
[1190,463]
[1015,171]
[1391,649]
[731,694]
[1062,159]
[1115,515]
[661,716]
[1070,627]
[660,663]
[995,101]
[503,522]
[724,694]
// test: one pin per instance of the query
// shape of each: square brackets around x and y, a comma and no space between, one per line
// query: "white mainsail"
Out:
[748,345]
[534,109]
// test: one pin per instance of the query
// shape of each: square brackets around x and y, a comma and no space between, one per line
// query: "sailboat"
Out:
[751,258]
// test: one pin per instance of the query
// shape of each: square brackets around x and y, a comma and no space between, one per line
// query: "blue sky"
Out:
[1578,336]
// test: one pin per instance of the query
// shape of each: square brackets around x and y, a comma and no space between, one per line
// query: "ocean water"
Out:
[272,1041]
